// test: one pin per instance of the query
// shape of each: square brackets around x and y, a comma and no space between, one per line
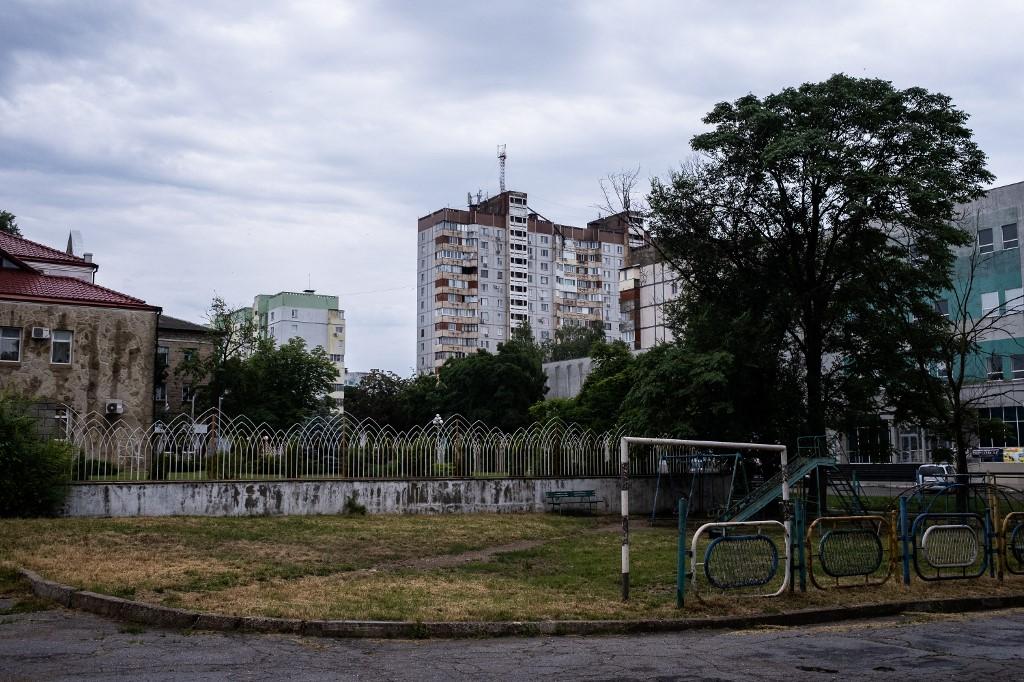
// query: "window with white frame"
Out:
[60,347]
[995,367]
[295,313]
[985,240]
[1017,365]
[989,302]
[1010,236]
[10,344]
[1013,301]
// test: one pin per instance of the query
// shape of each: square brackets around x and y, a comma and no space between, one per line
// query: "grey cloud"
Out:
[238,147]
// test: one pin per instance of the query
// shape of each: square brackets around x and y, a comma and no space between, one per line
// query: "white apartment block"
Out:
[314,318]
[647,284]
[485,270]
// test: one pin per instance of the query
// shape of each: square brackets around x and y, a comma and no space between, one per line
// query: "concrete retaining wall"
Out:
[248,498]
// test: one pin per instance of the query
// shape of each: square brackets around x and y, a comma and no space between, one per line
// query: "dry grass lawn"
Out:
[400,567]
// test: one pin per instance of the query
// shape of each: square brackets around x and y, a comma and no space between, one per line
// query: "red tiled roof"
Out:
[31,286]
[27,249]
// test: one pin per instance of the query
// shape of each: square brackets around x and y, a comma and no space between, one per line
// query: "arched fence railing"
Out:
[213,446]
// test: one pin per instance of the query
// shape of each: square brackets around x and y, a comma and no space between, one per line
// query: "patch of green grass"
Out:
[131,629]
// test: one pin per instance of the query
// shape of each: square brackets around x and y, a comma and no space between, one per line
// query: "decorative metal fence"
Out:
[216,447]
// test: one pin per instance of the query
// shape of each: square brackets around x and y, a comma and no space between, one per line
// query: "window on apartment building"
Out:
[336,357]
[1017,365]
[985,240]
[160,393]
[484,273]
[295,329]
[543,265]
[10,344]
[995,367]
[295,313]
[1013,301]
[989,302]
[543,280]
[1010,236]
[188,353]
[618,249]
[60,347]
[271,315]
[942,307]
[186,393]
[483,245]
[501,275]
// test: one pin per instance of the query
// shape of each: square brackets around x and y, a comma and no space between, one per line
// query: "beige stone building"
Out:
[66,340]
[177,342]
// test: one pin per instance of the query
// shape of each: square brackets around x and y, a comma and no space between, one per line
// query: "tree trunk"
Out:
[962,477]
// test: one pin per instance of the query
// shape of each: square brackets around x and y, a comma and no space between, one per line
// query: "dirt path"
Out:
[485,554]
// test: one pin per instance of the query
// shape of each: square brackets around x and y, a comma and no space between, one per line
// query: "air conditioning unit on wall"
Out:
[40,333]
[114,407]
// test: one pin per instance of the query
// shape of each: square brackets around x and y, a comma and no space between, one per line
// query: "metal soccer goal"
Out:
[747,557]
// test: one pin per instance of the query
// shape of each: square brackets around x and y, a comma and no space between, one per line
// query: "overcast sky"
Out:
[220,147]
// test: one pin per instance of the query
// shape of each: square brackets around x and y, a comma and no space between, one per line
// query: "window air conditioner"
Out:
[115,407]
[40,333]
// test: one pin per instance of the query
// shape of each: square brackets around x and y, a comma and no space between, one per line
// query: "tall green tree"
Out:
[836,200]
[570,343]
[498,388]
[376,397]
[8,224]
[282,385]
[247,374]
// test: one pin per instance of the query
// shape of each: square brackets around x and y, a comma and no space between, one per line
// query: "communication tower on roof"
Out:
[501,167]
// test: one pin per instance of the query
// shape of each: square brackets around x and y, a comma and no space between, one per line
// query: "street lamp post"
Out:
[438,422]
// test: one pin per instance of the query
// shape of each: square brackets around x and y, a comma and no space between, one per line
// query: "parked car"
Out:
[936,475]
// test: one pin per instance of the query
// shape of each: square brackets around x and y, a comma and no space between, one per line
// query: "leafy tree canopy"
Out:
[570,343]
[832,204]
[8,224]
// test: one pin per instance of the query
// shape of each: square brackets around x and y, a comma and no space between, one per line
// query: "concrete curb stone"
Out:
[162,616]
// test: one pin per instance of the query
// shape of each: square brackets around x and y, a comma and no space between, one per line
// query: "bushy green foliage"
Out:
[833,204]
[497,389]
[33,472]
[570,343]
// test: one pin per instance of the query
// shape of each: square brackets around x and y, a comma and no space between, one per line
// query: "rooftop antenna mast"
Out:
[501,167]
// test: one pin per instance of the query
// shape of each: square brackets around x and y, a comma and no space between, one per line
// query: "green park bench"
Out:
[558,498]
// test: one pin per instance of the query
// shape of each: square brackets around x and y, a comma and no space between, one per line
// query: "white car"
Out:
[936,475]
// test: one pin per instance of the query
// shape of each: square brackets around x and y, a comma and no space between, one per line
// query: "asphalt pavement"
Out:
[61,644]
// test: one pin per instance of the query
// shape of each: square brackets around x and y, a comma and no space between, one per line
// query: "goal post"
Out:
[627,441]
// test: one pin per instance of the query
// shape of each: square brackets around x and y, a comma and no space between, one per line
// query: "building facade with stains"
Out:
[485,270]
[178,342]
[65,340]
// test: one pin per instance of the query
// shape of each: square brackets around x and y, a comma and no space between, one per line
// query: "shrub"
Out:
[34,473]
[85,468]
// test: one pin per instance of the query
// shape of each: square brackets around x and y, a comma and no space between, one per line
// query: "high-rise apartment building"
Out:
[312,317]
[484,270]
[646,284]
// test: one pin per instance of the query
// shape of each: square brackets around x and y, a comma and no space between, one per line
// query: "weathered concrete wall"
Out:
[566,377]
[111,357]
[248,498]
